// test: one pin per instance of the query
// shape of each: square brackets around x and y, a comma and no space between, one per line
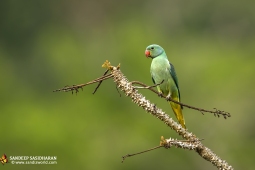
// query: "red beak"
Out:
[147,53]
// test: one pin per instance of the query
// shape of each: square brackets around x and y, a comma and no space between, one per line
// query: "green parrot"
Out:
[162,69]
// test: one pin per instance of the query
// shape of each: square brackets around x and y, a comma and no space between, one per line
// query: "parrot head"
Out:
[153,51]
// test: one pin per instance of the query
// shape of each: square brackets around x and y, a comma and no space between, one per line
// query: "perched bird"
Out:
[162,69]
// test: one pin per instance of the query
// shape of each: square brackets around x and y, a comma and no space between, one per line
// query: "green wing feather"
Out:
[174,76]
[153,80]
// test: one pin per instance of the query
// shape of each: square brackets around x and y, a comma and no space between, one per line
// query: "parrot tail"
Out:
[178,113]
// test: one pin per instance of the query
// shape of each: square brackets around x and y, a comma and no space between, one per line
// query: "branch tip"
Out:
[107,65]
[118,67]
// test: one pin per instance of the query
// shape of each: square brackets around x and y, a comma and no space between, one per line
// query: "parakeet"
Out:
[161,69]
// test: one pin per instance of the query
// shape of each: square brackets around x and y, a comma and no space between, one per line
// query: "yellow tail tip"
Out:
[178,113]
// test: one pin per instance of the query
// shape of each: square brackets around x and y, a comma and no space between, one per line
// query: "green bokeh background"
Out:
[45,45]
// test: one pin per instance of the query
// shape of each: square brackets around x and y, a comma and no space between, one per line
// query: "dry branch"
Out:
[131,91]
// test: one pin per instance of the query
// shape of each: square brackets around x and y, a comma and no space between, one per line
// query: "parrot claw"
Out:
[168,98]
[160,94]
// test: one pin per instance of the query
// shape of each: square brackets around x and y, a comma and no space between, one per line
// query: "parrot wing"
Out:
[174,76]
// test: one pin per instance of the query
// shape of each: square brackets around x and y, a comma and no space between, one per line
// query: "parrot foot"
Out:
[168,97]
[160,94]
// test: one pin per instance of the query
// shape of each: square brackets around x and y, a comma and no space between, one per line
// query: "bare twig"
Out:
[129,155]
[145,86]
[216,112]
[80,86]
[100,82]
[118,91]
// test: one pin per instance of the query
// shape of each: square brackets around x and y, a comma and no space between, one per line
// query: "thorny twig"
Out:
[168,143]
[185,144]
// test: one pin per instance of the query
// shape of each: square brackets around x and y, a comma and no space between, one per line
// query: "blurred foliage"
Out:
[45,45]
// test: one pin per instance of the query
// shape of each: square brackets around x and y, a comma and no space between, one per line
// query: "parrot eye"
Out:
[152,48]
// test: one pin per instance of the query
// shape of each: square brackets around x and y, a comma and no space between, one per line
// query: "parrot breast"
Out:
[160,71]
